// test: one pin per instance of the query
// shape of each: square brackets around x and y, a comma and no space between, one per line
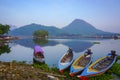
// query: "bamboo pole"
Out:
[57,75]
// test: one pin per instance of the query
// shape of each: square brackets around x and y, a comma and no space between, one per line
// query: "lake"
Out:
[22,50]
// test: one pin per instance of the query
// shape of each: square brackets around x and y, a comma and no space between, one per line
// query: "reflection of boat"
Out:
[80,64]
[38,54]
[65,61]
[99,66]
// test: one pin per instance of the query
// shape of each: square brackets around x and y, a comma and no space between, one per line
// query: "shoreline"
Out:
[8,37]
[20,70]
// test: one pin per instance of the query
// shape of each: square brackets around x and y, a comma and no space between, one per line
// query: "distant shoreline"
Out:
[8,38]
[59,37]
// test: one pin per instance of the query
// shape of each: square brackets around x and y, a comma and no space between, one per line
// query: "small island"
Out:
[40,34]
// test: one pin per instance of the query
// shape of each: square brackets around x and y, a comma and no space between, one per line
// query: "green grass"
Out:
[118,57]
[102,77]
[55,70]
[20,62]
[116,69]
[96,42]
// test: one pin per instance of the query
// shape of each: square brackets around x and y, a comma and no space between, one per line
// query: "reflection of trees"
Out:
[30,43]
[40,41]
[4,48]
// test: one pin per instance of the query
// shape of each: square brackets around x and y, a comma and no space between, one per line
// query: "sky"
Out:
[103,14]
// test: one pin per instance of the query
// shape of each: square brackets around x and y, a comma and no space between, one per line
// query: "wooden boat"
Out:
[80,64]
[98,67]
[38,54]
[65,61]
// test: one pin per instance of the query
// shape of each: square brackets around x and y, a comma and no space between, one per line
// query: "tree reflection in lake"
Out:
[45,42]
[30,43]
[40,41]
[4,48]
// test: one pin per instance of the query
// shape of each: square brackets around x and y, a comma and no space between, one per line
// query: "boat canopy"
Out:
[37,48]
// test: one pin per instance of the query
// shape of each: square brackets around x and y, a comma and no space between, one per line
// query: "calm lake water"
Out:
[22,50]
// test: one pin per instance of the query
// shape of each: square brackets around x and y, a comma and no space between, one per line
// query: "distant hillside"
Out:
[81,27]
[28,30]
[77,27]
[12,27]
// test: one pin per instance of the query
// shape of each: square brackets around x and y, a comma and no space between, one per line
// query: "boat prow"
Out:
[65,61]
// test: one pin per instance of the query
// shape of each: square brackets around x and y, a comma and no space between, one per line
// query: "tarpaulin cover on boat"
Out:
[37,48]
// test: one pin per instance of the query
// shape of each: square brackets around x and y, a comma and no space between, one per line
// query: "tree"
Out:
[40,34]
[4,29]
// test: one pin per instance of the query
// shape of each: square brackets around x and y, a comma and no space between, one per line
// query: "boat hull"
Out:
[99,67]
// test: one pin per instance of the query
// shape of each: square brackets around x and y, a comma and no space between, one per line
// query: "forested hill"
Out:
[28,30]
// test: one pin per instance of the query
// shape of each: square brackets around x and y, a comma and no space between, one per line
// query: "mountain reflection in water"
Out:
[77,46]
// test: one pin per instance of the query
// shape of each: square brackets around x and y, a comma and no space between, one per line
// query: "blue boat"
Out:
[38,54]
[80,64]
[65,61]
[99,67]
